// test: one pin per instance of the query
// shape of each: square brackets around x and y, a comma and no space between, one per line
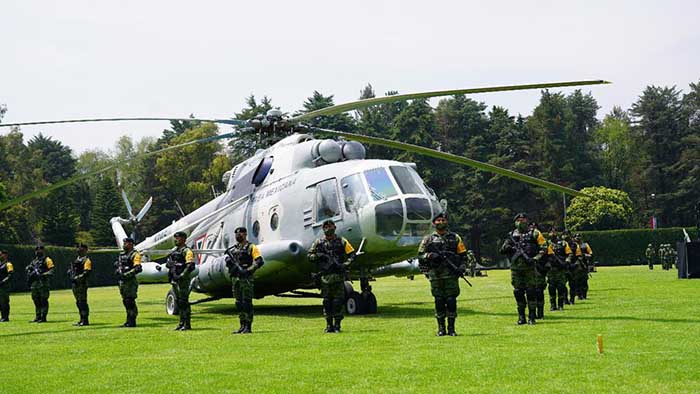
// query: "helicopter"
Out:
[283,194]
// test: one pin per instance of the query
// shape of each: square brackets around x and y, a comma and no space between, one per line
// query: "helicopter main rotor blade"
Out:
[66,182]
[234,122]
[355,105]
[454,159]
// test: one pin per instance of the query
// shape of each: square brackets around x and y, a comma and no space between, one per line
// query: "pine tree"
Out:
[106,206]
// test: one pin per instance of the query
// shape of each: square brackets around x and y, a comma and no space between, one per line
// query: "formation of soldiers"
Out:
[537,263]
[665,255]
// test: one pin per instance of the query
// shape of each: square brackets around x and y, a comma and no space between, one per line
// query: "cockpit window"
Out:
[354,192]
[326,201]
[406,182]
[380,186]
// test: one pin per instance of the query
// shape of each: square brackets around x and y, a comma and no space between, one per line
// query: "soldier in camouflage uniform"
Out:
[471,263]
[79,271]
[332,255]
[650,254]
[558,251]
[242,260]
[672,255]
[180,264]
[128,265]
[571,266]
[524,247]
[443,257]
[541,270]
[585,266]
[6,272]
[663,256]
[39,271]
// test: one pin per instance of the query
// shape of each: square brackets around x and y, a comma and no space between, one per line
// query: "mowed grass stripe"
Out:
[649,321]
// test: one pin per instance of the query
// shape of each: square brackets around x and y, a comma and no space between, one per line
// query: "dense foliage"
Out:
[652,148]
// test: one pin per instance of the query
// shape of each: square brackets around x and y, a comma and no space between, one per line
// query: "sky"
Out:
[73,59]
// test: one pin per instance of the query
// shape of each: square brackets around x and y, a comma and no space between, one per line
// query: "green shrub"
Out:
[627,247]
[21,255]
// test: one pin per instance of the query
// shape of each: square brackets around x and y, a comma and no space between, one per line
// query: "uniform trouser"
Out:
[579,282]
[557,286]
[80,288]
[445,291]
[524,288]
[243,291]
[333,293]
[128,288]
[181,288]
[4,302]
[40,296]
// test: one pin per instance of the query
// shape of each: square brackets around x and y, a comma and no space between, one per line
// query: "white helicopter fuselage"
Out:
[282,195]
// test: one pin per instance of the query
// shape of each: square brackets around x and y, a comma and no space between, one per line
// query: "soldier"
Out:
[672,256]
[571,266]
[557,252]
[525,247]
[180,263]
[585,259]
[38,273]
[332,255]
[242,260]
[128,265]
[541,270]
[6,271]
[471,262]
[650,254]
[79,272]
[443,256]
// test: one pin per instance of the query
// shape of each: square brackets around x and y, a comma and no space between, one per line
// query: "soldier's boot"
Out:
[572,298]
[540,309]
[180,324]
[521,316]
[240,330]
[561,303]
[329,326]
[247,328]
[336,326]
[553,304]
[441,327]
[5,312]
[186,324]
[531,317]
[451,327]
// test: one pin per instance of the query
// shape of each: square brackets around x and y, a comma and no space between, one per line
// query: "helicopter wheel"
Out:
[171,303]
[370,302]
[355,304]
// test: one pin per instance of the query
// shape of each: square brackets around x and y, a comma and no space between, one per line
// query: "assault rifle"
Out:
[519,251]
[448,257]
[33,274]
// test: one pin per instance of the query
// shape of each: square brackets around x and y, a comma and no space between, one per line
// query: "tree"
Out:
[106,206]
[340,122]
[617,150]
[248,140]
[606,209]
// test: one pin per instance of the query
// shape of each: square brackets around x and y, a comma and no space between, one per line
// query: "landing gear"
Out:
[360,303]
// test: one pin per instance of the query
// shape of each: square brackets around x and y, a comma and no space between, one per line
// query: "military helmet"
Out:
[521,215]
[39,247]
[440,215]
[82,245]
[240,230]
[128,239]
[328,223]
[181,234]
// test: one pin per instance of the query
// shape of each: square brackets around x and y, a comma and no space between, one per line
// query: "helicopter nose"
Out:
[405,220]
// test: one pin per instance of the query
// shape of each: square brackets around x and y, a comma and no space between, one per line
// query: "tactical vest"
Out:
[40,265]
[559,248]
[574,246]
[527,242]
[242,254]
[442,243]
[4,273]
[335,249]
[176,260]
[584,247]
[78,266]
[126,260]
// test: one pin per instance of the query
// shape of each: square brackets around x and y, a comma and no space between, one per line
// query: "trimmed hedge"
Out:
[627,247]
[21,255]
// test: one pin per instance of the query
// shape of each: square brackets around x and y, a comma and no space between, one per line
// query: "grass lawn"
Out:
[650,322]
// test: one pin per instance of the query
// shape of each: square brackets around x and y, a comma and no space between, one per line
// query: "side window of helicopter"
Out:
[420,183]
[354,194]
[262,170]
[380,186]
[406,182]
[327,206]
